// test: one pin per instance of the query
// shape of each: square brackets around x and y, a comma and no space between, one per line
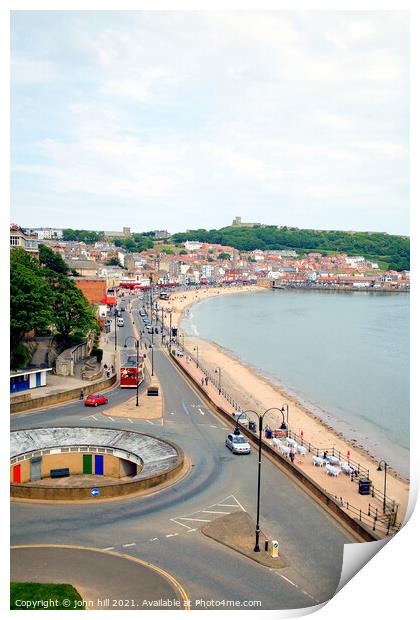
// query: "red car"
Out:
[93,400]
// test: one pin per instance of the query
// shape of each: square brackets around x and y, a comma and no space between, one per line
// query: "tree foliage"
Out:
[392,249]
[42,298]
[52,260]
[88,236]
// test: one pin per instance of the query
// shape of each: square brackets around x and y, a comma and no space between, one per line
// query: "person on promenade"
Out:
[206,380]
[81,394]
[292,455]
[202,381]
[325,455]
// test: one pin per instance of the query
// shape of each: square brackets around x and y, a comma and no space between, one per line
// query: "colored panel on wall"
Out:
[87,463]
[99,465]
[16,473]
[36,468]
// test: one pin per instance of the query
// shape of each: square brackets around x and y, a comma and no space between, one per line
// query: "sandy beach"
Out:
[253,391]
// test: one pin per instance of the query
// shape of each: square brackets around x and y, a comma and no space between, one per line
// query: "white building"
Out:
[192,245]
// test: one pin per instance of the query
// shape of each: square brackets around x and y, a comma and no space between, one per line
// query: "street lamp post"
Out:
[196,349]
[219,371]
[151,347]
[163,335]
[380,469]
[260,428]
[137,362]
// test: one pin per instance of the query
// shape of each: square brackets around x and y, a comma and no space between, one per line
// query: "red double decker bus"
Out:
[131,374]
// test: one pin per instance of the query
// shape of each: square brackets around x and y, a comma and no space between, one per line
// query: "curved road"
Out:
[164,528]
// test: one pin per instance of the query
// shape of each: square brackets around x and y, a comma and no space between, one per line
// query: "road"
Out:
[164,528]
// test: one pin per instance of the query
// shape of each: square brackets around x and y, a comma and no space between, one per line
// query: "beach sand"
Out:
[253,391]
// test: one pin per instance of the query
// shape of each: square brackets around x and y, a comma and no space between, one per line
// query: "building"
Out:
[238,222]
[160,234]
[19,239]
[28,379]
[114,234]
[46,233]
[86,268]
[94,289]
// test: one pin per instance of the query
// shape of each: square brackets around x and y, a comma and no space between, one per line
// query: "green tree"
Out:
[113,261]
[72,314]
[30,298]
[223,255]
[52,260]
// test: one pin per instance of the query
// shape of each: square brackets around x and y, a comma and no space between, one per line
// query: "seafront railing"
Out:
[386,523]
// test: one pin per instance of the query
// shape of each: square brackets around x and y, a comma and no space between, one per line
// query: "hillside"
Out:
[391,251]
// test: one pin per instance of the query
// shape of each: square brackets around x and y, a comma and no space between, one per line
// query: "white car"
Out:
[237,444]
[241,418]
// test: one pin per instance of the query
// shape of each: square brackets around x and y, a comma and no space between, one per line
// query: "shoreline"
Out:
[248,385]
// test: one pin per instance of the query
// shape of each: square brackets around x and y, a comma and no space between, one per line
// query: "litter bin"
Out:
[364,486]
[252,427]
[268,433]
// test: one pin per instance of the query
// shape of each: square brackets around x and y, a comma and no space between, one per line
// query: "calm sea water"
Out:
[344,355]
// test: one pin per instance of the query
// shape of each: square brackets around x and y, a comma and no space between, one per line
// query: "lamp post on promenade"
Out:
[151,347]
[385,464]
[260,417]
[163,335]
[137,364]
[196,349]
[218,370]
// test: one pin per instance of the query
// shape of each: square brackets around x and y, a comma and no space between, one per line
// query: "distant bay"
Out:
[345,356]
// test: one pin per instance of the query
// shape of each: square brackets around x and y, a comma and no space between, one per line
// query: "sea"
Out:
[343,355]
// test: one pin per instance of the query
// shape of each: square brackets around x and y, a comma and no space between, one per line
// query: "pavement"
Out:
[164,527]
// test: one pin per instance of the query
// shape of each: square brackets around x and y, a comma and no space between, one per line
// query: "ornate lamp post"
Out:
[218,370]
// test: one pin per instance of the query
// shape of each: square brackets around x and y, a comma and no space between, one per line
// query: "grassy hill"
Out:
[391,251]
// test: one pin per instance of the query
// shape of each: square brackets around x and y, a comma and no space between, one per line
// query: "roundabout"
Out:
[81,463]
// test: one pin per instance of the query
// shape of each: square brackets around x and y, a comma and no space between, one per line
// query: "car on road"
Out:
[237,444]
[240,418]
[93,400]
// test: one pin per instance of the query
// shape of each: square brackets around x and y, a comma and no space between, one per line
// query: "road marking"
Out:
[152,539]
[94,417]
[172,413]
[202,412]
[185,408]
[108,548]
[193,529]
[288,580]
[130,420]
[213,426]
[239,503]
[150,422]
[129,545]
[190,519]
[109,418]
[216,512]
[170,535]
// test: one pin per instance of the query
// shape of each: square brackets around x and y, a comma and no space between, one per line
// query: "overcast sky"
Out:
[183,120]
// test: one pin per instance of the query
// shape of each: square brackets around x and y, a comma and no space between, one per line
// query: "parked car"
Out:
[241,419]
[237,444]
[93,400]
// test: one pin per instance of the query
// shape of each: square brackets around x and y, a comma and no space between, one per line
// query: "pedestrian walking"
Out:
[112,369]
[81,394]
[206,380]
[325,455]
[107,374]
[292,455]
[202,380]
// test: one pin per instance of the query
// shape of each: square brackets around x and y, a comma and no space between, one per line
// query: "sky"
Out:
[184,120]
